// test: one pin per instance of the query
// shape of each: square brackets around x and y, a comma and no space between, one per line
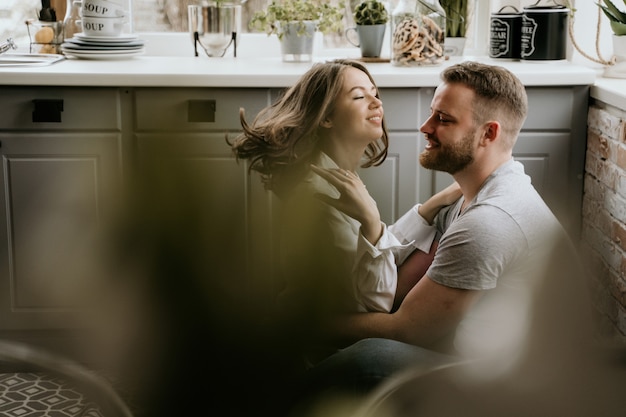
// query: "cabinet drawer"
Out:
[197,109]
[550,108]
[41,108]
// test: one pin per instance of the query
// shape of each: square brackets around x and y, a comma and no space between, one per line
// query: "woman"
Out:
[331,118]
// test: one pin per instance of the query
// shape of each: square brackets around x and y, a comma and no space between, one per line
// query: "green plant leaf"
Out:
[328,18]
[618,28]
[456,17]
[612,12]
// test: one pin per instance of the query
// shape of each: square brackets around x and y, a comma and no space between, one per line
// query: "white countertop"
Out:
[611,91]
[169,62]
[190,71]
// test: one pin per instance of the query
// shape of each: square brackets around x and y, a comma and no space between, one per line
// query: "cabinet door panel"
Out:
[394,183]
[55,189]
[234,209]
[549,108]
[546,160]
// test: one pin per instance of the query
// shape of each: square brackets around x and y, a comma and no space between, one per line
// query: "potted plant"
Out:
[295,23]
[457,19]
[370,17]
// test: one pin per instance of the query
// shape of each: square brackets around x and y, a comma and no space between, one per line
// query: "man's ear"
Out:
[491,131]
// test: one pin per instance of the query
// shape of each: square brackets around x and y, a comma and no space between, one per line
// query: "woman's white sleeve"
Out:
[411,229]
[375,271]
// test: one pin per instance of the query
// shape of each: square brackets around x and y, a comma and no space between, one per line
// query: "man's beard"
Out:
[450,158]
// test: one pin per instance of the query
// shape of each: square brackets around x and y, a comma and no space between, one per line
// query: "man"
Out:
[476,298]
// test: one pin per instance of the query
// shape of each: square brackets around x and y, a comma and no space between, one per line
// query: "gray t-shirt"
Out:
[500,243]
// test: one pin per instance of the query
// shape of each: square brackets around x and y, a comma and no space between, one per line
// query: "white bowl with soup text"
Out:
[102,26]
[100,8]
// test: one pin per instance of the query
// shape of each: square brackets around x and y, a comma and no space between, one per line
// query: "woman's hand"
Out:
[354,200]
[429,209]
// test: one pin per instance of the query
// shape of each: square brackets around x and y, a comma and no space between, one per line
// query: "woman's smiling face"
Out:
[358,112]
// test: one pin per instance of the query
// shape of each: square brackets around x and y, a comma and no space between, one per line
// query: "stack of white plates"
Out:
[103,47]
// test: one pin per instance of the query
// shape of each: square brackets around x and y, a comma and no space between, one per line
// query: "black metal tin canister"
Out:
[505,34]
[544,32]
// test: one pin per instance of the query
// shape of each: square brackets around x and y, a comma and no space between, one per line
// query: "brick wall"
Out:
[604,218]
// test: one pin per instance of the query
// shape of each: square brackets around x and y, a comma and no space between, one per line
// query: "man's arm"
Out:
[429,314]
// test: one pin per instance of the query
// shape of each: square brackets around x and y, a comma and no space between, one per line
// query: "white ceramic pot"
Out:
[618,70]
[454,46]
[619,47]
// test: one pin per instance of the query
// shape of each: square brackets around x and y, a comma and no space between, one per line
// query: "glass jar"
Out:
[45,37]
[70,22]
[417,33]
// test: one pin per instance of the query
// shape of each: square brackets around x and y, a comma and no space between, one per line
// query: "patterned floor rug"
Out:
[40,395]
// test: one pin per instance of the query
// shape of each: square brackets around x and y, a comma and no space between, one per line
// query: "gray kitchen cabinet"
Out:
[65,151]
[69,153]
[60,169]
[182,133]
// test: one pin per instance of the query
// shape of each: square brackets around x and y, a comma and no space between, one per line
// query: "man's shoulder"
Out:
[508,180]
[511,190]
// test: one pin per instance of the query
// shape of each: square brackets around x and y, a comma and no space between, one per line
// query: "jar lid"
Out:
[546,9]
[506,14]
[508,6]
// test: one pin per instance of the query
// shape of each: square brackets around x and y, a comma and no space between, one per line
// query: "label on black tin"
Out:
[544,32]
[504,39]
[529,29]
[499,40]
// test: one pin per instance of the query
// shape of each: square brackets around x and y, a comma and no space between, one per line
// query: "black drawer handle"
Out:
[47,110]
[201,111]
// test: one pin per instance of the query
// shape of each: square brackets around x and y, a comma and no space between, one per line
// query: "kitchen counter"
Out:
[149,71]
[169,62]
[611,91]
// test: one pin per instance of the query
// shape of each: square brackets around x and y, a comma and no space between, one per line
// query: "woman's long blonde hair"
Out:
[284,137]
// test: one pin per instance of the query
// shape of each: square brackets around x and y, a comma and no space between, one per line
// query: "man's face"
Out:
[450,130]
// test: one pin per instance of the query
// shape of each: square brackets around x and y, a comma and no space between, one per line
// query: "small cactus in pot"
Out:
[370,12]
[370,17]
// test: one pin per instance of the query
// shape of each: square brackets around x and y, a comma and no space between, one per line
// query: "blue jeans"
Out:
[359,368]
